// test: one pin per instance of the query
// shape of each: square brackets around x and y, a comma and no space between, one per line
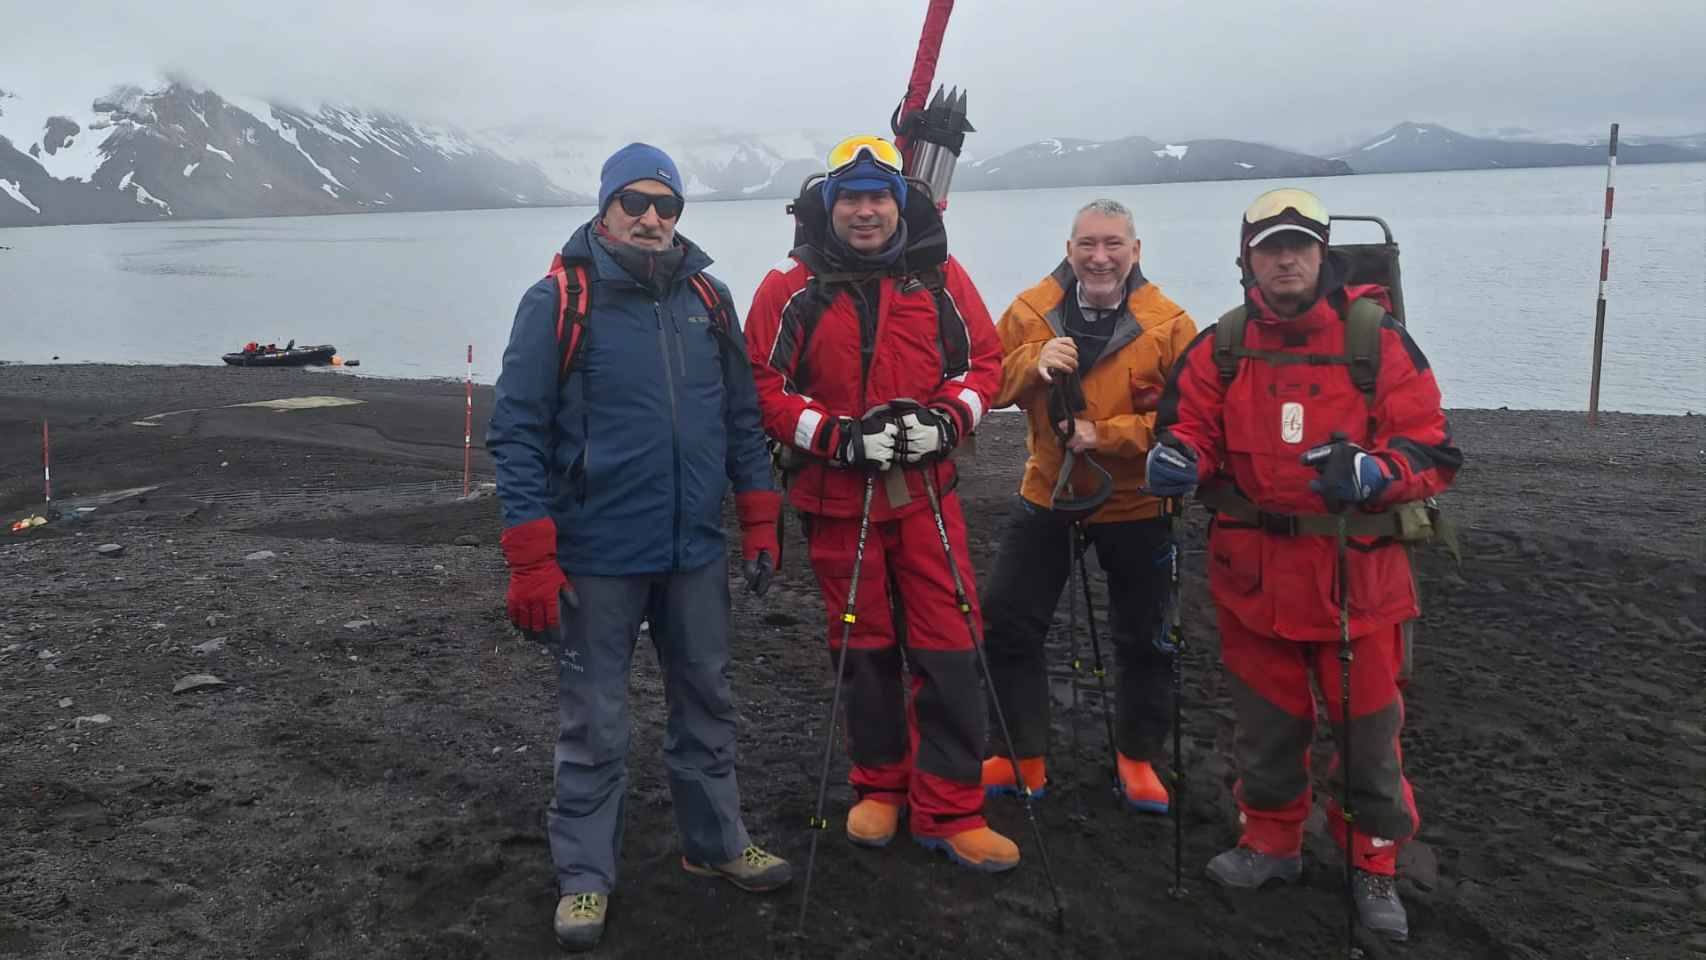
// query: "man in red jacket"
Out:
[869,310]
[1284,424]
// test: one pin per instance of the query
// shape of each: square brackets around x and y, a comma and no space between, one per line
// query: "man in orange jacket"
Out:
[1095,320]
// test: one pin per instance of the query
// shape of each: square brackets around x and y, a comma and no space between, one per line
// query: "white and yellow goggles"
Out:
[846,153]
[1287,209]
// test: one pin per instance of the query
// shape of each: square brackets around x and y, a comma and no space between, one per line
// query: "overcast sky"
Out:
[1319,74]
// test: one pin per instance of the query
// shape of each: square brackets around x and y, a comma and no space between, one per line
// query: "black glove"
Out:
[759,571]
[869,442]
[1349,476]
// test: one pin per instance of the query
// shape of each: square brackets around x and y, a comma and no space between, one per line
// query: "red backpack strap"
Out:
[714,303]
[573,299]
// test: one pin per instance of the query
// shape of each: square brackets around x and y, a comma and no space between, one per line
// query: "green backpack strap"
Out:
[1362,344]
[1228,339]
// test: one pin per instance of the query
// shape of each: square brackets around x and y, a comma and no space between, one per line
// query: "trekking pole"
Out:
[818,823]
[1079,548]
[468,424]
[1176,637]
[1000,714]
[1345,656]
[1075,660]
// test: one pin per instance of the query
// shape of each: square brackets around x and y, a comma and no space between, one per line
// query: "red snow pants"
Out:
[926,749]
[1275,710]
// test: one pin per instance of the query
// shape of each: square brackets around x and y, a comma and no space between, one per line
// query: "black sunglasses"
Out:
[634,203]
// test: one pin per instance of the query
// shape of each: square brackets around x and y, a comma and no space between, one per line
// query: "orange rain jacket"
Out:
[1149,335]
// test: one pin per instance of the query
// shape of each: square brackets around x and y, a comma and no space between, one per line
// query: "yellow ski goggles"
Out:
[1278,211]
[846,153]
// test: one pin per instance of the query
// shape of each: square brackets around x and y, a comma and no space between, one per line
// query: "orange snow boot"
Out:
[981,849]
[1141,787]
[998,779]
[872,823]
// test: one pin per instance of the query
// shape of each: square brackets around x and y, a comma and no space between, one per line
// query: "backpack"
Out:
[574,298]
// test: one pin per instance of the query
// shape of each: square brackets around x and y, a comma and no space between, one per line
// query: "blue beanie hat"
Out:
[636,161]
[864,174]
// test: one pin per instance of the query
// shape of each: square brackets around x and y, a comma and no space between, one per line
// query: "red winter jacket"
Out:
[1249,432]
[808,373]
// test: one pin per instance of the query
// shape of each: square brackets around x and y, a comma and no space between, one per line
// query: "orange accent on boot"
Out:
[983,849]
[1143,789]
[998,774]
[872,823]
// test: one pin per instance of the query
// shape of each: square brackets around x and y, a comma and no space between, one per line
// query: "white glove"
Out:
[926,433]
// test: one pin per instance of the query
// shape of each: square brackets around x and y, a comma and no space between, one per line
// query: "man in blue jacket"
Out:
[616,439]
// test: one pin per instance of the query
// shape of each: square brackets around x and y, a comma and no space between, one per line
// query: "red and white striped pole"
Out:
[468,425]
[1604,271]
[46,466]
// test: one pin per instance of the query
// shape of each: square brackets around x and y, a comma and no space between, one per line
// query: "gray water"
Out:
[1500,275]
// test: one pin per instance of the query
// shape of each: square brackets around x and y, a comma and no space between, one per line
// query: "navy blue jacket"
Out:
[633,453]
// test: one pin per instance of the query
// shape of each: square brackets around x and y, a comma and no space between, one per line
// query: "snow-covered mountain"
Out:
[171,150]
[1075,163]
[713,164]
[177,152]
[1426,146]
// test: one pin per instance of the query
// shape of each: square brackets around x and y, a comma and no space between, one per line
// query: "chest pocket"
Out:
[698,351]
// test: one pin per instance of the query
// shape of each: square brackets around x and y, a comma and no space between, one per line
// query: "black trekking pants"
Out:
[1031,569]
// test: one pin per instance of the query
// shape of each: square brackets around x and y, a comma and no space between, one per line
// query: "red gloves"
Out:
[535,579]
[758,511]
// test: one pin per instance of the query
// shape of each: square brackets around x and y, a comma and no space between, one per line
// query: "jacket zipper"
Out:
[674,434]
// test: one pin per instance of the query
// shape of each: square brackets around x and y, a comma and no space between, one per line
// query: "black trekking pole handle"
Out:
[848,616]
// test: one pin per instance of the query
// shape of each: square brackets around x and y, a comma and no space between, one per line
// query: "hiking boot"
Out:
[872,823]
[1244,869]
[1141,787]
[982,849]
[998,779]
[1378,906]
[753,871]
[580,920]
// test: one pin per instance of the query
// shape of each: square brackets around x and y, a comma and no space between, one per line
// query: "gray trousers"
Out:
[689,617]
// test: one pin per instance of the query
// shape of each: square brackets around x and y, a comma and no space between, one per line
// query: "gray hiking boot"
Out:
[1244,869]
[754,871]
[580,920]
[1378,905]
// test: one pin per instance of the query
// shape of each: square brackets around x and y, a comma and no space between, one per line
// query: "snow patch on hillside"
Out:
[14,190]
[24,122]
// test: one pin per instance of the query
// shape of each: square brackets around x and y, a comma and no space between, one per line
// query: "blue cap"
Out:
[636,161]
[864,174]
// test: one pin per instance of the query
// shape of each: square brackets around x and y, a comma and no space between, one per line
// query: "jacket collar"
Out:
[583,247]
[1126,328]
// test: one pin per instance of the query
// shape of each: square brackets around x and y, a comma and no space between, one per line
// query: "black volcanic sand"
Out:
[370,781]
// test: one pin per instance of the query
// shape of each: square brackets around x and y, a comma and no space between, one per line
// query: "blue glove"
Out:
[1350,475]
[1172,469]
